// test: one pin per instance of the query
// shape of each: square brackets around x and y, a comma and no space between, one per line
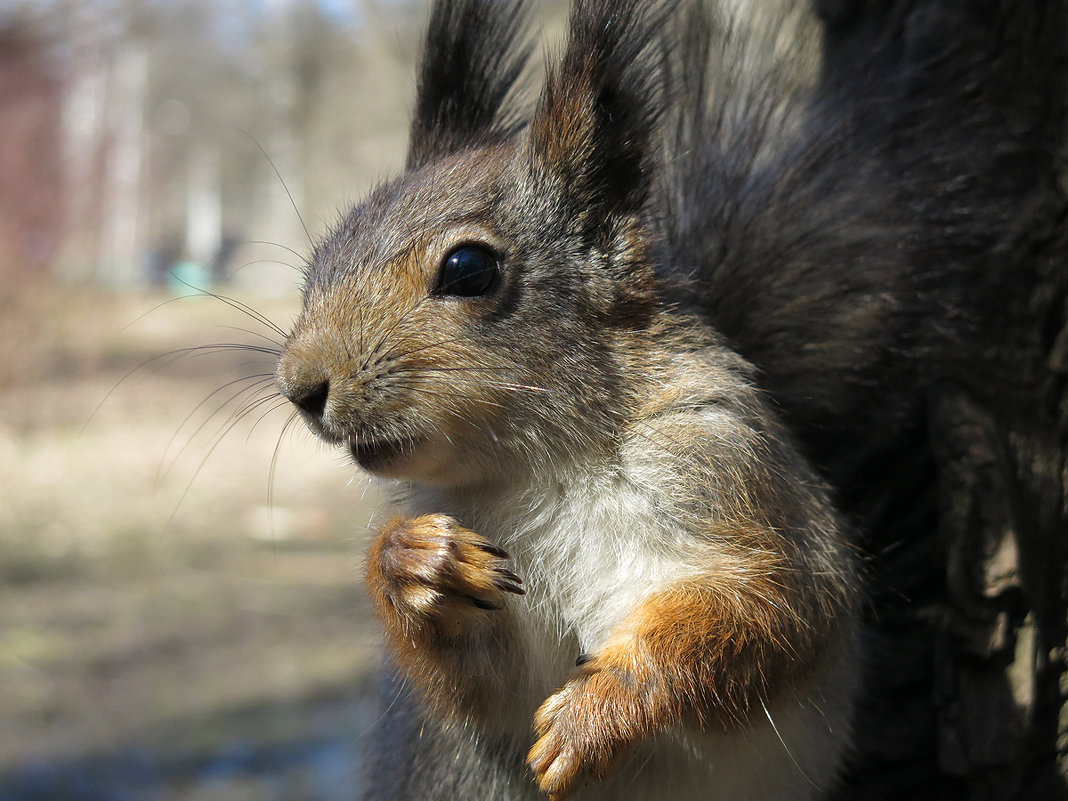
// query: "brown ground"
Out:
[176,621]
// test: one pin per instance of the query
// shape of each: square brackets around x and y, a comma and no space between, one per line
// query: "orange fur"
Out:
[703,652]
[437,588]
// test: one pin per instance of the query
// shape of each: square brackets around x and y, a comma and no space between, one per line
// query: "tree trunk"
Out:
[123,224]
[966,518]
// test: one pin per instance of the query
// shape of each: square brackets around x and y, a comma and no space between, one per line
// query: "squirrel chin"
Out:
[383,456]
[418,459]
[430,462]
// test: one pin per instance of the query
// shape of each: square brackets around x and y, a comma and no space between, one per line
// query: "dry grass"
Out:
[175,621]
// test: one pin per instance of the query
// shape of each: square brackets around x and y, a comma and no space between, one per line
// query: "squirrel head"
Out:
[478,317]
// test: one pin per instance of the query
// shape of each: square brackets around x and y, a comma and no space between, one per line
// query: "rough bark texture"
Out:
[967,517]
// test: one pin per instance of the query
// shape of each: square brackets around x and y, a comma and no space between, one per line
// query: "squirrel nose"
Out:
[313,399]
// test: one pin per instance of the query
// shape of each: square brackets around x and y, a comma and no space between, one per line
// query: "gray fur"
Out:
[863,199]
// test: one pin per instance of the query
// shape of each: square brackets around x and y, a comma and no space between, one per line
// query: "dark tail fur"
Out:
[883,234]
[849,233]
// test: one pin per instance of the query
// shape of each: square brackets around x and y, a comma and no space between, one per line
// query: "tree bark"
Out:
[966,518]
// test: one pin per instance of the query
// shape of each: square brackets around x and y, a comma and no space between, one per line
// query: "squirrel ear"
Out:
[594,128]
[472,59]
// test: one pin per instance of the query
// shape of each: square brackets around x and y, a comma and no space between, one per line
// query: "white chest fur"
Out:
[588,552]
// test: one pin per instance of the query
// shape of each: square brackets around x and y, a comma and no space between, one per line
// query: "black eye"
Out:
[468,271]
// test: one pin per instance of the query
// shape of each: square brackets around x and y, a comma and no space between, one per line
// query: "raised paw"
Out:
[587,724]
[431,571]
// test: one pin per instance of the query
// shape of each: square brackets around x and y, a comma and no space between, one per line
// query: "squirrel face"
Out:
[461,325]
[527,363]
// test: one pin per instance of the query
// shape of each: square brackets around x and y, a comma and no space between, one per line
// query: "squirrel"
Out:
[614,351]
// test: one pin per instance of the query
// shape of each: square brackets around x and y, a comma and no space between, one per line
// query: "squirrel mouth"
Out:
[376,454]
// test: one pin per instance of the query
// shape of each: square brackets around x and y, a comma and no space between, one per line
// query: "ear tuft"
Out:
[595,125]
[473,57]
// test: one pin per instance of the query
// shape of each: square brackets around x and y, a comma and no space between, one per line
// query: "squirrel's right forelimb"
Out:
[443,593]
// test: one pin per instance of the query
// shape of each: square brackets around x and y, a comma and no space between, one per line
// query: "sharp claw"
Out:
[508,574]
[494,550]
[489,606]
[509,587]
[552,783]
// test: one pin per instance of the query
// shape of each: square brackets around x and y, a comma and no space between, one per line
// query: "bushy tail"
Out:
[848,192]
[872,205]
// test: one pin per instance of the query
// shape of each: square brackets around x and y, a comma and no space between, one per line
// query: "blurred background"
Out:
[181,614]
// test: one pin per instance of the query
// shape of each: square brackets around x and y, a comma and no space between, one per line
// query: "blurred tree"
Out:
[31,212]
[30,103]
[179,127]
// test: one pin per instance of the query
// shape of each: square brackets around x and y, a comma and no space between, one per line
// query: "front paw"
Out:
[587,724]
[431,571]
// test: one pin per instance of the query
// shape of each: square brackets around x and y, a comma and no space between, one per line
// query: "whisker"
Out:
[155,308]
[281,402]
[236,305]
[165,467]
[170,356]
[508,386]
[220,436]
[279,245]
[386,334]
[274,466]
[253,402]
[244,308]
[292,202]
[164,359]
[225,346]
[260,400]
[255,262]
[511,387]
[437,344]
[457,395]
[252,333]
[786,748]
